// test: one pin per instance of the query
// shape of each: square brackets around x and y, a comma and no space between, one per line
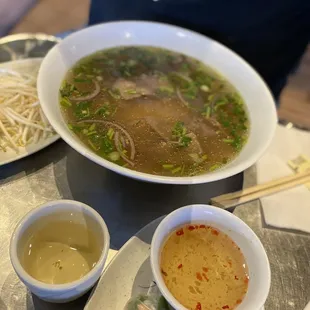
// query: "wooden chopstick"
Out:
[233,199]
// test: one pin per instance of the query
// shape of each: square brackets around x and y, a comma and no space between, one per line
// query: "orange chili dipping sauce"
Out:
[203,268]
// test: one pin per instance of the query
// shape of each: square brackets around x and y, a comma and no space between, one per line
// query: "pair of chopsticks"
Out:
[261,190]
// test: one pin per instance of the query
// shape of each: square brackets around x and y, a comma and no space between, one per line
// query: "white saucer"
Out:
[129,273]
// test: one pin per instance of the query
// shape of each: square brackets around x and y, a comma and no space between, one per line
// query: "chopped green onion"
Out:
[65,102]
[92,145]
[168,166]
[185,141]
[164,90]
[85,112]
[175,170]
[92,127]
[110,133]
[114,156]
[204,88]
[214,167]
[204,157]
[90,133]
[211,97]
[106,109]
[179,133]
[208,112]
[131,91]
[106,145]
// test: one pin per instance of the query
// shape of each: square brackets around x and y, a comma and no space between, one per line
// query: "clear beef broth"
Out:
[154,111]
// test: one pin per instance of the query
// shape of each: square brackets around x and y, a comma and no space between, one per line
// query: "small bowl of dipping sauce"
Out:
[59,249]
[203,257]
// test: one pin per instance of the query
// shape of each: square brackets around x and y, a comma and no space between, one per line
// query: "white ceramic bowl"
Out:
[237,230]
[257,96]
[84,215]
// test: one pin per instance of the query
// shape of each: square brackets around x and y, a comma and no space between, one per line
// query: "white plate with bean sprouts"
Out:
[24,128]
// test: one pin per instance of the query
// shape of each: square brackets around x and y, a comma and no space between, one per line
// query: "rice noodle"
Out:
[21,119]
[90,96]
[124,131]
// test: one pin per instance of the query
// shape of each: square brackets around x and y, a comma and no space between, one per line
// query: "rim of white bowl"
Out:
[154,256]
[57,287]
[219,174]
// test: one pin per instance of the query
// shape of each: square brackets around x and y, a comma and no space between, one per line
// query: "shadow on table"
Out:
[51,154]
[126,204]
[78,304]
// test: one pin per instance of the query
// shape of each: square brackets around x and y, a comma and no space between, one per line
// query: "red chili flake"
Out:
[225,307]
[180,266]
[180,232]
[236,278]
[239,301]
[246,280]
[215,232]
[202,226]
[198,306]
[191,227]
[164,273]
[205,269]
[206,278]
[198,276]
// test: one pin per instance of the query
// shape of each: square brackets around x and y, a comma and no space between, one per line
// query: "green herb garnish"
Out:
[67,89]
[176,170]
[166,91]
[106,145]
[167,166]
[179,133]
[110,133]
[131,91]
[105,110]
[65,102]
[214,167]
[81,109]
[206,112]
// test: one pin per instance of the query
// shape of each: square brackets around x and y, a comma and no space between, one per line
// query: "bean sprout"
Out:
[22,121]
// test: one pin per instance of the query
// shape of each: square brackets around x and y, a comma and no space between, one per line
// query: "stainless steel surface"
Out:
[25,45]
[127,205]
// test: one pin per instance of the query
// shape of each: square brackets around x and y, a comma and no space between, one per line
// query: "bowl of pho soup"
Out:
[156,102]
